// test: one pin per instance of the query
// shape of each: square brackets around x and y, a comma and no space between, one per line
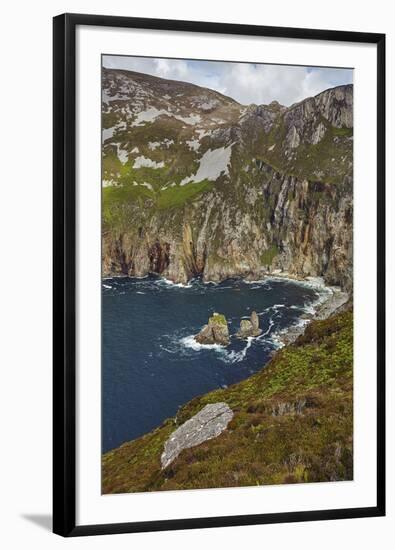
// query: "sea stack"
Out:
[215,332]
[249,327]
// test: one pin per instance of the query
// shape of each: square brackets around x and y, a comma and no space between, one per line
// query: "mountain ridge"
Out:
[195,183]
[147,76]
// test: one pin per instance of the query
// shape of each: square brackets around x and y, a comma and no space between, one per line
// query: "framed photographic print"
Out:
[218,274]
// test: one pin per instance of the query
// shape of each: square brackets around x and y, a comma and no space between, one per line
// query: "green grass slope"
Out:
[293,422]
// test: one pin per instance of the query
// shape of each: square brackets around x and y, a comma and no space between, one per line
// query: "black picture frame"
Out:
[64,273]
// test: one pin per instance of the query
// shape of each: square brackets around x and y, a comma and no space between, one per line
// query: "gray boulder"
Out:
[206,424]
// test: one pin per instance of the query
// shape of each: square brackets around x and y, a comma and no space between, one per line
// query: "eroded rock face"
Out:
[215,332]
[206,424]
[249,327]
[255,320]
[281,202]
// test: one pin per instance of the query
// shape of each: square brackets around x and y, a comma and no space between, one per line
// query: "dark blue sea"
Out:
[151,363]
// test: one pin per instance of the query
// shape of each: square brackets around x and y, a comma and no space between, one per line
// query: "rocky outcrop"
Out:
[249,327]
[210,422]
[335,105]
[305,226]
[307,118]
[294,407]
[215,332]
[334,302]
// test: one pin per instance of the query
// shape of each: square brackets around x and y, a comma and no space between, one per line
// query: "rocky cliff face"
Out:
[196,184]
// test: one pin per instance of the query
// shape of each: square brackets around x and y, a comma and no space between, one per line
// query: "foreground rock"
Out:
[249,327]
[206,424]
[215,332]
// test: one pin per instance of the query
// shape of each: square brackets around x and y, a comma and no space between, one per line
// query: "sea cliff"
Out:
[197,184]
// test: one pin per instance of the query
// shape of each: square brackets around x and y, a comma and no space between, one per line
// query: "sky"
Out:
[245,82]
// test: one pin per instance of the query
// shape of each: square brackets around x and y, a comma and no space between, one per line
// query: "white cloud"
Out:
[245,82]
[175,69]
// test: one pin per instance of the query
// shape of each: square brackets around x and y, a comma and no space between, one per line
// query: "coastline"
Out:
[292,423]
[331,299]
[309,281]
[328,304]
[323,301]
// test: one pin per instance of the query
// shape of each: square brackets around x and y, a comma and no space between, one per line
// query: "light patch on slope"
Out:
[147,185]
[107,133]
[144,162]
[106,98]
[122,154]
[148,116]
[108,183]
[191,119]
[203,133]
[212,164]
[193,144]
[135,150]
[207,105]
[153,145]
[153,113]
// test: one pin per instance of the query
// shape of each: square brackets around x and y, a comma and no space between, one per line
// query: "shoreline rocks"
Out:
[215,332]
[336,300]
[249,327]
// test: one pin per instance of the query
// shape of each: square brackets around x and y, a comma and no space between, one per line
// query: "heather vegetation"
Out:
[292,423]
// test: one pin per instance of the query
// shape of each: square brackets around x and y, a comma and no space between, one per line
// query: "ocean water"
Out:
[151,364]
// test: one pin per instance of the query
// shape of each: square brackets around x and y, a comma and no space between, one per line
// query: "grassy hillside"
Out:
[293,423]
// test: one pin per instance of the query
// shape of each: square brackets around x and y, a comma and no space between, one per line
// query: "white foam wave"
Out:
[309,308]
[316,283]
[274,307]
[259,282]
[226,355]
[106,286]
[271,324]
[190,342]
[172,351]
[172,283]
[237,356]
[277,341]
[323,294]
